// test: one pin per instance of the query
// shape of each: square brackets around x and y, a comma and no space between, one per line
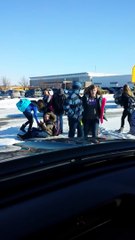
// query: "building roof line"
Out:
[61,75]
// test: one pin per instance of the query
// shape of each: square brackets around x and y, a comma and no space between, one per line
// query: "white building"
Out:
[113,81]
[87,78]
[57,81]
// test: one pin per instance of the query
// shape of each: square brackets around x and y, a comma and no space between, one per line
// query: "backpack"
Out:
[118,100]
[118,97]
[23,104]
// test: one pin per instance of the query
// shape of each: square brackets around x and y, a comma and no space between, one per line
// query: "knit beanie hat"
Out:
[76,85]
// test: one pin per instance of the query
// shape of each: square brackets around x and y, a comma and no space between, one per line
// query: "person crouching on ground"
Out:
[46,128]
[48,124]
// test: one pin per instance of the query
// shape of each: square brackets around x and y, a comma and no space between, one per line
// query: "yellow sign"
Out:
[133,74]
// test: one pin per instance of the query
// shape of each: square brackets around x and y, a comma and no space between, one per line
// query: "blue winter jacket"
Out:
[73,105]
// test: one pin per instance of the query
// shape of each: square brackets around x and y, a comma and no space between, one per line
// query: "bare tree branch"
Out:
[24,83]
[5,82]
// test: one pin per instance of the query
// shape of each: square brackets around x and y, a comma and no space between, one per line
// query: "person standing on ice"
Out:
[58,104]
[74,109]
[94,108]
[128,104]
[48,100]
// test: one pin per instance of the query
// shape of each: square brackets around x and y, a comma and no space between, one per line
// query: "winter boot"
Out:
[21,137]
[22,128]
[121,130]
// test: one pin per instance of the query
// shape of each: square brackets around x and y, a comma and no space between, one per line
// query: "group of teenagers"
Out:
[84,113]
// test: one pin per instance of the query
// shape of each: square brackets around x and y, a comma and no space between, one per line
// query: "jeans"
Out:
[59,122]
[35,132]
[75,124]
[30,121]
[91,125]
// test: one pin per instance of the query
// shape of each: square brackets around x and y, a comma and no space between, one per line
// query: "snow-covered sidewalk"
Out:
[13,119]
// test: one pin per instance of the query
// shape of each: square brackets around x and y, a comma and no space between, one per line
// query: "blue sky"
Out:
[45,37]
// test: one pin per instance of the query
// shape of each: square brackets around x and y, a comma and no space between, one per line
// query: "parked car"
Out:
[22,93]
[108,90]
[14,93]
[116,89]
[4,94]
[34,93]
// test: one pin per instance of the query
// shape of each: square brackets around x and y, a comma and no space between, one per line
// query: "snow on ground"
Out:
[11,119]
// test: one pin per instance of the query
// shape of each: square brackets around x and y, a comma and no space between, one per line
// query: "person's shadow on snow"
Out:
[10,132]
